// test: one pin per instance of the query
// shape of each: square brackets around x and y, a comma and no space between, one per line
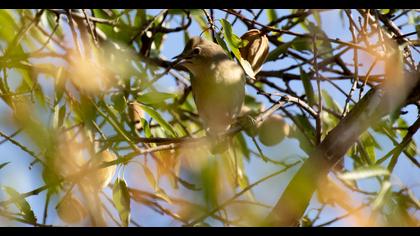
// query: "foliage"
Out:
[68,76]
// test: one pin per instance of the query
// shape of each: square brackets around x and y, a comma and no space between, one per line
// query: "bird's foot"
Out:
[249,125]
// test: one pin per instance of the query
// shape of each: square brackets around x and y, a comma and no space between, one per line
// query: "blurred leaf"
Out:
[330,103]
[382,195]
[198,16]
[156,116]
[154,97]
[243,146]
[302,44]
[210,175]
[317,16]
[140,18]
[119,102]
[309,133]
[369,144]
[146,127]
[252,103]
[309,90]
[58,116]
[272,15]
[273,55]
[121,199]
[21,204]
[162,194]
[149,176]
[411,149]
[4,164]
[384,11]
[8,26]
[322,45]
[402,124]
[365,172]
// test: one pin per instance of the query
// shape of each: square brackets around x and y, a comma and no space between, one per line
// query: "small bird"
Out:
[218,84]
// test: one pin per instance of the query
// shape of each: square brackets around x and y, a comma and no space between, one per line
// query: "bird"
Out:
[218,84]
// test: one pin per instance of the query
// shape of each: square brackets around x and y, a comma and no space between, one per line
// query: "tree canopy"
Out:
[99,128]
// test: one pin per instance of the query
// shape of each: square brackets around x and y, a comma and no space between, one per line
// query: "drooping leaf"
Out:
[272,15]
[307,85]
[21,204]
[121,199]
[149,176]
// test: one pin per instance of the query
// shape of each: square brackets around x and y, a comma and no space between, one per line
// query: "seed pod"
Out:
[136,113]
[256,51]
[71,210]
[273,130]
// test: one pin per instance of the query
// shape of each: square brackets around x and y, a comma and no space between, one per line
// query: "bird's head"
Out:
[199,52]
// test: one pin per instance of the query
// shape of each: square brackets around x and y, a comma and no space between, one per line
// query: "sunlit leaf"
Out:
[121,199]
[365,172]
[21,204]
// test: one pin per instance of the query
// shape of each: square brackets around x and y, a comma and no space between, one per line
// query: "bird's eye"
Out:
[195,51]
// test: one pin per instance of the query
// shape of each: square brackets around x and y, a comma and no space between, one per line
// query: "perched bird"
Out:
[218,84]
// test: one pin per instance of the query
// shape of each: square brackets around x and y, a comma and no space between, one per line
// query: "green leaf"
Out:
[234,43]
[330,103]
[140,18]
[243,146]
[365,172]
[222,43]
[273,55]
[233,40]
[4,164]
[146,127]
[322,45]
[384,11]
[272,15]
[121,199]
[154,97]
[21,204]
[411,149]
[317,17]
[309,90]
[159,119]
[119,102]
[304,132]
[302,44]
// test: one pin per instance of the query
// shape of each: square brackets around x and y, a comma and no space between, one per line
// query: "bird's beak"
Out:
[181,55]
[179,59]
